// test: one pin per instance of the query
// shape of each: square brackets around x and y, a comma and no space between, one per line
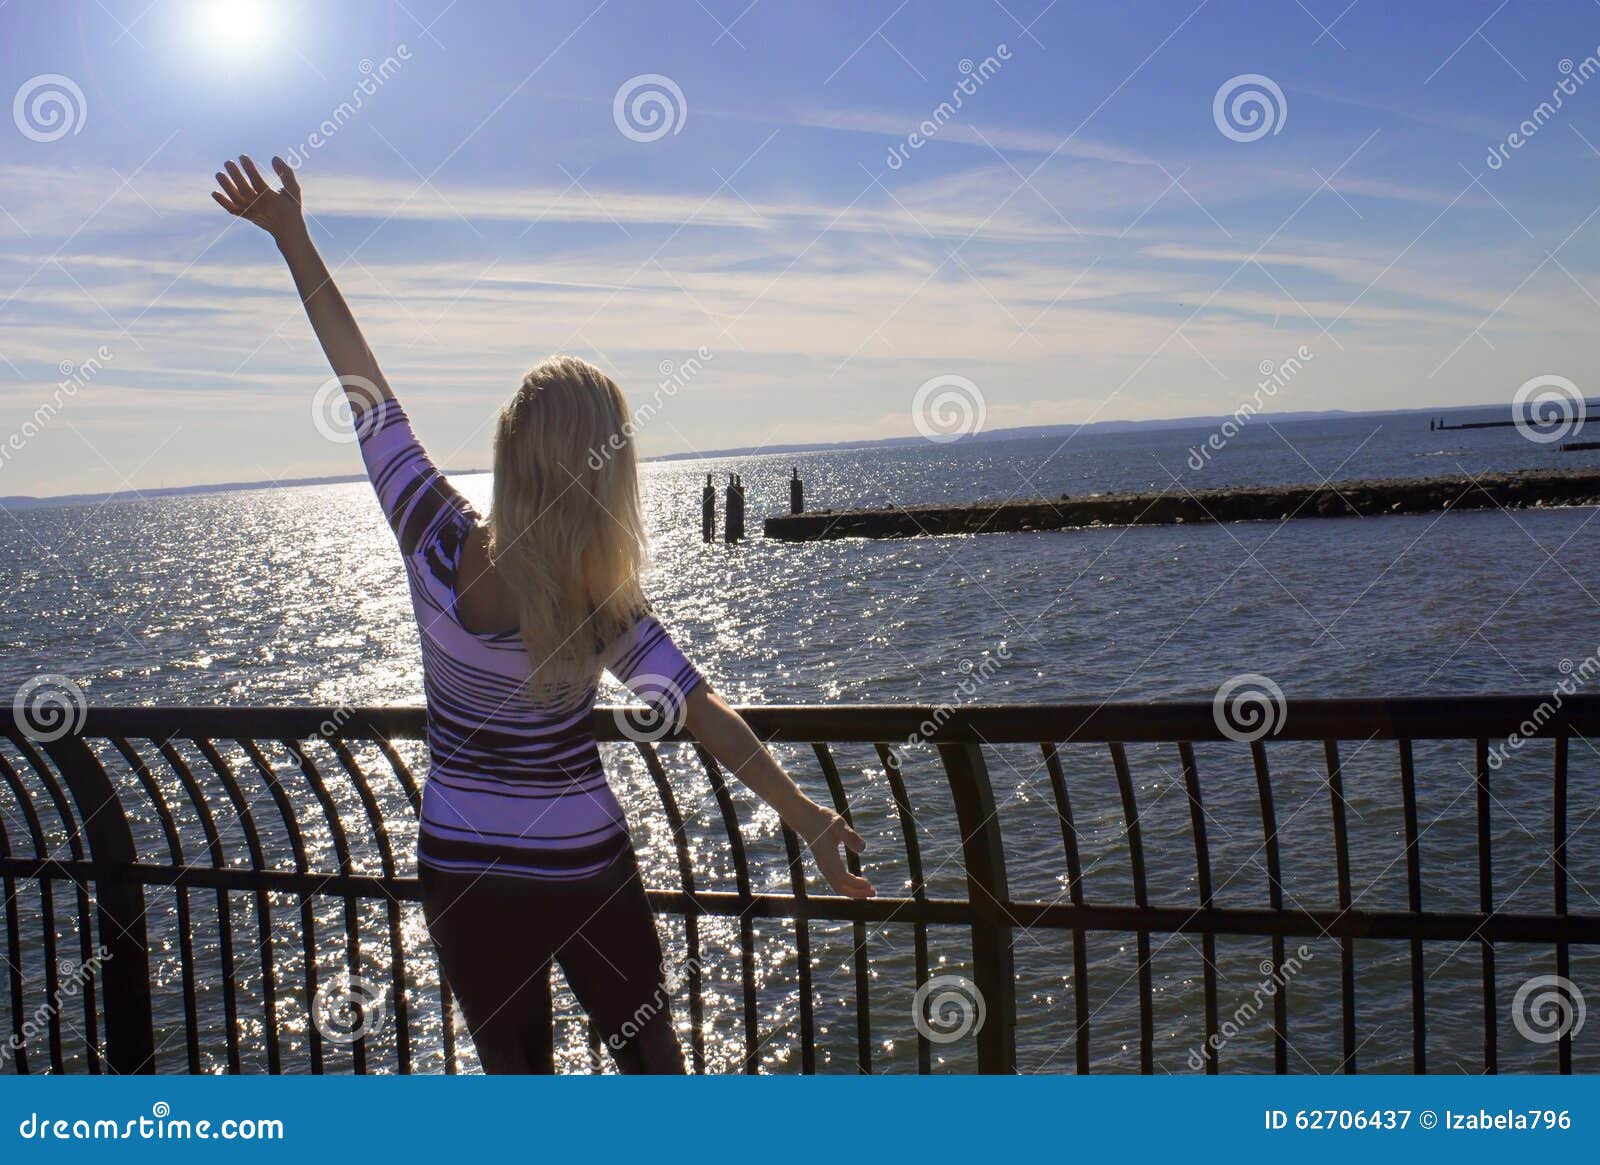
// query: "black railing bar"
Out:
[308,922]
[802,951]
[202,805]
[741,871]
[1558,877]
[1491,1051]
[19,1042]
[1419,1004]
[691,928]
[75,823]
[1080,954]
[1431,926]
[1269,839]
[402,773]
[890,762]
[118,904]
[169,828]
[1202,862]
[245,819]
[1141,897]
[858,929]
[397,971]
[47,904]
[1341,855]
[1406,717]
[68,798]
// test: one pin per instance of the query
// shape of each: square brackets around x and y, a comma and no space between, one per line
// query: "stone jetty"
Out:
[1178,506]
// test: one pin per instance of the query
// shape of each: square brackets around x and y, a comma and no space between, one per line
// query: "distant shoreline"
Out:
[1019,433]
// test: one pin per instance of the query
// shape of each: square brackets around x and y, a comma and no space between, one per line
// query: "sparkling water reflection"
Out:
[297,595]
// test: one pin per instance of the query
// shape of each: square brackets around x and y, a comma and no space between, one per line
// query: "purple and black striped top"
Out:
[512,788]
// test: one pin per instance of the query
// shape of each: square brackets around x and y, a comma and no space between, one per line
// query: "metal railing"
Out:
[211,870]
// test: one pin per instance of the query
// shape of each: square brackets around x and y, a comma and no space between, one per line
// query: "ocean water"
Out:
[297,595]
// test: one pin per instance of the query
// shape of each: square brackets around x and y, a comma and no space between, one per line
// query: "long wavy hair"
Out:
[565,531]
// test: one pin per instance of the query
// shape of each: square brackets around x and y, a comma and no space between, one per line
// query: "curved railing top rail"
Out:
[1388,718]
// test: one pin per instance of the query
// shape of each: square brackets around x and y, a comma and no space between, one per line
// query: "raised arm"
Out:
[247,195]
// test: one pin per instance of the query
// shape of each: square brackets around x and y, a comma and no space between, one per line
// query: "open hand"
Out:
[824,840]
[246,194]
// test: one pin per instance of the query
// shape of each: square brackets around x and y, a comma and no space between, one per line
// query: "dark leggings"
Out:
[496,936]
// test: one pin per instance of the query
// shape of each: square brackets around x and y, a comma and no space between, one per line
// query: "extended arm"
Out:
[278,212]
[727,737]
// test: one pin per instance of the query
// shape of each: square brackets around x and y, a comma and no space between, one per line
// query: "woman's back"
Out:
[513,787]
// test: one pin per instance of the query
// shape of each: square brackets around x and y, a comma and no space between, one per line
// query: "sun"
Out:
[235,26]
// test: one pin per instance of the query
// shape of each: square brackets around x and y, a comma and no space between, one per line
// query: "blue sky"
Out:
[1081,240]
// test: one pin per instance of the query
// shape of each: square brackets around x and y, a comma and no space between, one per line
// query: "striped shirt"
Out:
[512,788]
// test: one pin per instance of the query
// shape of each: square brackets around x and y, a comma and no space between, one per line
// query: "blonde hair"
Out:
[565,531]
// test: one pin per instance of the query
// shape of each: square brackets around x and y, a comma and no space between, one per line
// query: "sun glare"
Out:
[235,26]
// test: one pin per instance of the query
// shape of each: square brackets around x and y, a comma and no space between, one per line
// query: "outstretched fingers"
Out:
[286,174]
[257,182]
[233,193]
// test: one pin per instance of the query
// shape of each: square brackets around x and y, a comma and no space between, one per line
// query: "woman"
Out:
[523,851]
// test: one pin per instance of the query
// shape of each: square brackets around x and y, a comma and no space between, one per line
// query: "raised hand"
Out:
[825,847]
[245,194]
